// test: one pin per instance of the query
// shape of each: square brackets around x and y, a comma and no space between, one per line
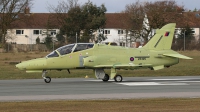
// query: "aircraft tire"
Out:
[118,78]
[106,78]
[48,79]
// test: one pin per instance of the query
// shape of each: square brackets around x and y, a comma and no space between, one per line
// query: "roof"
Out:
[36,21]
[192,19]
[113,20]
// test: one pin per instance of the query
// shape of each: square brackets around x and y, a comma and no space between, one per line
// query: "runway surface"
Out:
[81,88]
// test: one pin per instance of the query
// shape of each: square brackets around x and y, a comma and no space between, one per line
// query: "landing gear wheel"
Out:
[106,78]
[47,79]
[118,78]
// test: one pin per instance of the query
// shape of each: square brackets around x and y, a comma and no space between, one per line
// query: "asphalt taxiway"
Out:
[81,88]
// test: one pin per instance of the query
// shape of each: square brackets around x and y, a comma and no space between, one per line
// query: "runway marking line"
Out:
[167,79]
[149,83]
[143,83]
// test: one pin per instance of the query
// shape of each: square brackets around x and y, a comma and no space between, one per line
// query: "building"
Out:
[35,26]
[31,27]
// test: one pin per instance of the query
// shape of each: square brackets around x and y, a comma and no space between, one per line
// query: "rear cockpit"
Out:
[83,46]
[67,49]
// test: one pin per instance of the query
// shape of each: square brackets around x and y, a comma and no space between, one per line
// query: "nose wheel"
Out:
[47,79]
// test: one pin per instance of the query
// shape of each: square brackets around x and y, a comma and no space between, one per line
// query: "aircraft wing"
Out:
[177,56]
[122,65]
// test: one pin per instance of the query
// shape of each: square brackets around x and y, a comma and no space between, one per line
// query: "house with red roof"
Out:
[39,25]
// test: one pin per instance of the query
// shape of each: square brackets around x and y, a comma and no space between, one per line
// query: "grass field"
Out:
[9,71]
[132,105]
[184,68]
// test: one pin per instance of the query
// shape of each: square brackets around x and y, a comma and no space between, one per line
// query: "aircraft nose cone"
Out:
[20,66]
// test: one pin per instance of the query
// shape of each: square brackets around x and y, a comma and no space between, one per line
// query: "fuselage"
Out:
[98,55]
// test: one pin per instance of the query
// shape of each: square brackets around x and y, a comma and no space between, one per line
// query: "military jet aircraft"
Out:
[155,55]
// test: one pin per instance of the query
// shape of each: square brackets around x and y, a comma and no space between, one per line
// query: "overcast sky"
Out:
[40,6]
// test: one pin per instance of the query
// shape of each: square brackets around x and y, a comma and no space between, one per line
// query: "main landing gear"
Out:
[47,79]
[100,74]
[106,78]
[118,78]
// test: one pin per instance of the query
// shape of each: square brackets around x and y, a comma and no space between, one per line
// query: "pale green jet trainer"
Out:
[156,54]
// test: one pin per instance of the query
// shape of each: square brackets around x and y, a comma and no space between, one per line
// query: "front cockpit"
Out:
[70,48]
[65,49]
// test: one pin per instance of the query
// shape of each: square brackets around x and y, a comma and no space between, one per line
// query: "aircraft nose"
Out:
[34,64]
[20,66]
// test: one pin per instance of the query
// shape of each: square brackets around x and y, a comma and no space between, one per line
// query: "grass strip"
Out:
[126,105]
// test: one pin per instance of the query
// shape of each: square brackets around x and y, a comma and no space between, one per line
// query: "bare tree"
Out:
[9,13]
[158,13]
[135,22]
[162,12]
[62,9]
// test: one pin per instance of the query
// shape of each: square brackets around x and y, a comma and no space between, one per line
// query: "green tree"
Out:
[48,42]
[74,23]
[37,40]
[80,20]
[94,19]
[60,37]
[61,13]
[195,10]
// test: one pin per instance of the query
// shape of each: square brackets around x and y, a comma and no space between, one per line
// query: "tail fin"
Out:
[162,39]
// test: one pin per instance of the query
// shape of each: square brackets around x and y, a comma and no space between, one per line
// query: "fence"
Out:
[24,48]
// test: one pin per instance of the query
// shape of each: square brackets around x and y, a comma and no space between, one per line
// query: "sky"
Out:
[113,6]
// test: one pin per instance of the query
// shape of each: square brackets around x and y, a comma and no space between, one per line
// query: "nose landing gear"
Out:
[47,79]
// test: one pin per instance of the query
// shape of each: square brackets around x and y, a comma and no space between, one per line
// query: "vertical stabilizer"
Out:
[162,39]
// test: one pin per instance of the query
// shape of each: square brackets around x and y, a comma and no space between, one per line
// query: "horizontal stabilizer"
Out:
[177,56]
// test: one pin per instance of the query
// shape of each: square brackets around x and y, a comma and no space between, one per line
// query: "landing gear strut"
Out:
[47,79]
[117,77]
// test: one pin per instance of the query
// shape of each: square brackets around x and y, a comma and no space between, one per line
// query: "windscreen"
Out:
[52,54]
[65,49]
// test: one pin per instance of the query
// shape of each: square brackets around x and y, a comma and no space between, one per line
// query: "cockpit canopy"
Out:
[70,48]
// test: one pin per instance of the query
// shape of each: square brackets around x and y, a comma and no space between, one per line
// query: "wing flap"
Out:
[177,56]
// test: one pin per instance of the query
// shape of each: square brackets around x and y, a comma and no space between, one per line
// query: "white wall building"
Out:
[115,35]
[29,36]
[27,32]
